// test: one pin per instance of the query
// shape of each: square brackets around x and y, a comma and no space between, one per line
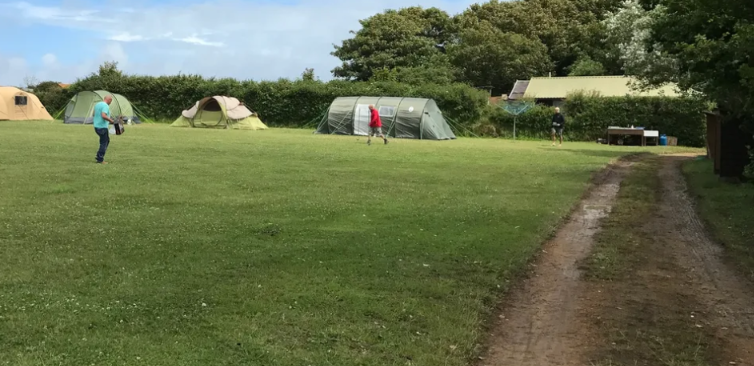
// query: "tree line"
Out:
[489,45]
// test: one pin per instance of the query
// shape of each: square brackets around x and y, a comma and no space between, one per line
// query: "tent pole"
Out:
[421,122]
[395,117]
[57,115]
[90,112]
[326,119]
[457,126]
[120,110]
[140,114]
[322,119]
[343,120]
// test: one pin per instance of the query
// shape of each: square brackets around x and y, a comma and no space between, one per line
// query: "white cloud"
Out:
[198,41]
[221,38]
[49,60]
[126,37]
[14,70]
[114,52]
[193,39]
[55,14]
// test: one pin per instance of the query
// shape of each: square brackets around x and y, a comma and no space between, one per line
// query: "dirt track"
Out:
[549,319]
[728,299]
[540,323]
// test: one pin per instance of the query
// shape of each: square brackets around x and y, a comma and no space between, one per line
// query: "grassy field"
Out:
[278,247]
[728,210]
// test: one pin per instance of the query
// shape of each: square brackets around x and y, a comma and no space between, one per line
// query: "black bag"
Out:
[119,128]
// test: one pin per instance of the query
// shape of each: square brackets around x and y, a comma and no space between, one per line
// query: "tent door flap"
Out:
[361,120]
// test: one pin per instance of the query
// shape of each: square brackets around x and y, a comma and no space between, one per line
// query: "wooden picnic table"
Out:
[623,131]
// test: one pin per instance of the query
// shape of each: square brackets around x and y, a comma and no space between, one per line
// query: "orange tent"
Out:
[16,104]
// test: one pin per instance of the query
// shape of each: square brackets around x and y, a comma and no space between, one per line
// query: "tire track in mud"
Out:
[540,324]
[549,318]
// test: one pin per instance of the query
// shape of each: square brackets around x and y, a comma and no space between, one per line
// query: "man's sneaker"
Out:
[369,142]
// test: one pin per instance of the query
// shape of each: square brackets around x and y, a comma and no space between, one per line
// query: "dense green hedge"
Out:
[587,118]
[281,103]
[296,103]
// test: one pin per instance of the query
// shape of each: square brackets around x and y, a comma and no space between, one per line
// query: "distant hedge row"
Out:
[286,103]
[587,118]
[283,103]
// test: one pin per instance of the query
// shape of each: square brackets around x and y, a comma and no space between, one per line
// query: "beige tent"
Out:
[220,112]
[16,104]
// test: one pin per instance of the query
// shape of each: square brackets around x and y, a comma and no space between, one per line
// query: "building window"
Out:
[21,100]
[386,111]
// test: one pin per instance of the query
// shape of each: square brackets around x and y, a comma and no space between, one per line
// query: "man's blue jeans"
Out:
[104,140]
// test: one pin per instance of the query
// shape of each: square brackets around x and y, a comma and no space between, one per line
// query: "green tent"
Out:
[80,108]
[220,112]
[411,118]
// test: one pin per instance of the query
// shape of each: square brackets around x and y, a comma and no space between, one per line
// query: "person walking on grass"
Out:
[558,123]
[101,123]
[375,125]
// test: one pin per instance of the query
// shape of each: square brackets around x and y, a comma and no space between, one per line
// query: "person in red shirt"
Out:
[375,125]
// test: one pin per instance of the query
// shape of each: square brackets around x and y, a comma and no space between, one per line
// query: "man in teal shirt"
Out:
[101,123]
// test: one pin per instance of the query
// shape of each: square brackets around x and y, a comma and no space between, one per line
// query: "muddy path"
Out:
[727,299]
[550,318]
[539,324]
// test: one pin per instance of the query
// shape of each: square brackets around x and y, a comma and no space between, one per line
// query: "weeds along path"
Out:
[539,324]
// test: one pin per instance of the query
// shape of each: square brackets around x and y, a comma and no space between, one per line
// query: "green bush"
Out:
[286,103]
[282,103]
[679,117]
[54,98]
[532,124]
[588,117]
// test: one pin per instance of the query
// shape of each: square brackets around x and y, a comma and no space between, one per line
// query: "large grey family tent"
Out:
[411,118]
[80,109]
[220,112]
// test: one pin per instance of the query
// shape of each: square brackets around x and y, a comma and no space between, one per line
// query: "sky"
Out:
[242,39]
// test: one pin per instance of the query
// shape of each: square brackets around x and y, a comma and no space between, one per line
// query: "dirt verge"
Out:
[539,324]
[726,297]
[657,291]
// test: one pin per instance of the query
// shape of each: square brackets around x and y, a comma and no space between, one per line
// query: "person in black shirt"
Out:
[558,122]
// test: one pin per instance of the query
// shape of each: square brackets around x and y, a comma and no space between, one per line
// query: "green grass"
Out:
[617,245]
[278,247]
[727,209]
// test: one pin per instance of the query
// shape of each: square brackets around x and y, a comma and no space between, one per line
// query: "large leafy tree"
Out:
[487,56]
[629,30]
[429,73]
[405,38]
[570,29]
[585,66]
[713,44]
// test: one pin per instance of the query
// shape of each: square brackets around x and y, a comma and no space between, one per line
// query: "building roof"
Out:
[606,86]
[519,89]
[64,86]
